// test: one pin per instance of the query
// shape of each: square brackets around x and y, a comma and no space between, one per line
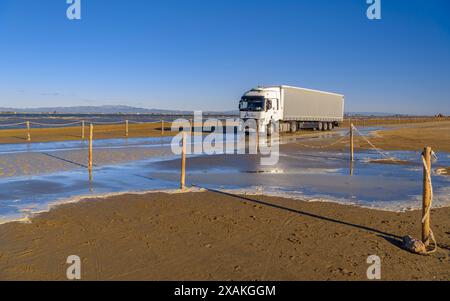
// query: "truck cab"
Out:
[263,105]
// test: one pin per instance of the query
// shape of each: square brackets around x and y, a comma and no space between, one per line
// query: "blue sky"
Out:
[198,54]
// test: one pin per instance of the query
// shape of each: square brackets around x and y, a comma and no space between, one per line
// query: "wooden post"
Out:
[82,129]
[28,131]
[183,164]
[91,136]
[126,128]
[426,200]
[162,127]
[352,154]
[192,125]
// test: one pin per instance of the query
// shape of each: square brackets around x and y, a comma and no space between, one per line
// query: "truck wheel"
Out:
[320,126]
[330,126]
[293,127]
[325,126]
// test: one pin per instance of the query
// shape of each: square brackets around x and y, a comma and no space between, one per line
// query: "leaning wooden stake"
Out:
[352,154]
[28,131]
[183,164]
[426,200]
[91,136]
[126,128]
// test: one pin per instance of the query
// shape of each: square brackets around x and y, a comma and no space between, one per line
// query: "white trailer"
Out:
[293,108]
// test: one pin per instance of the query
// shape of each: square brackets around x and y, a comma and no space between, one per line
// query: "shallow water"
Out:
[78,144]
[312,175]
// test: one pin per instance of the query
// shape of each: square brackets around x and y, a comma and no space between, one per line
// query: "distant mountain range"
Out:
[378,114]
[105,110]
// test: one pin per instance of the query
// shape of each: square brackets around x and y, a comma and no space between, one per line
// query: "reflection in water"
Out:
[351,167]
[91,181]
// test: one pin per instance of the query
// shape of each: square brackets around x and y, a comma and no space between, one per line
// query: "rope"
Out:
[74,123]
[374,147]
[428,210]
[123,122]
[55,124]
[12,124]
[143,122]
[427,213]
[112,122]
[325,146]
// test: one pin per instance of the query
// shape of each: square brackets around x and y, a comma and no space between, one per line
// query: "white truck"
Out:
[294,108]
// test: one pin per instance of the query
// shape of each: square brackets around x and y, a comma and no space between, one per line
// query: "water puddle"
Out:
[309,175]
[305,175]
[79,145]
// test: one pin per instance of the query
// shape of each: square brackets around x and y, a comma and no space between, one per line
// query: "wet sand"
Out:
[38,163]
[214,236]
[75,132]
[435,135]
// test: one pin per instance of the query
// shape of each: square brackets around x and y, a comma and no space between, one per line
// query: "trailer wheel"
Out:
[325,126]
[330,126]
[293,126]
[320,126]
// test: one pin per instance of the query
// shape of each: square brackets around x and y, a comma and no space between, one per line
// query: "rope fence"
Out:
[12,124]
[344,137]
[367,121]
[378,150]
[29,126]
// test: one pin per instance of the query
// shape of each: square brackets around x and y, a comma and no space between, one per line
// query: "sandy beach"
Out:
[215,236]
[437,136]
[394,137]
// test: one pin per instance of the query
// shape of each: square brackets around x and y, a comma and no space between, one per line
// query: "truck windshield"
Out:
[251,104]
